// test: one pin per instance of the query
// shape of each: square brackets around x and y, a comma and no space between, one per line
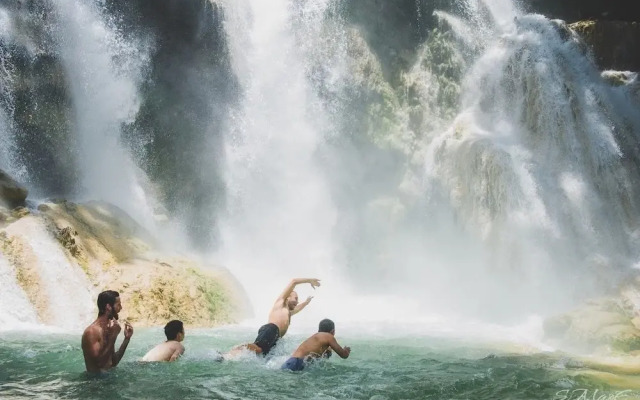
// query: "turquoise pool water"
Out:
[50,365]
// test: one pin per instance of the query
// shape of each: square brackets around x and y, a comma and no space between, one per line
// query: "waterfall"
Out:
[7,145]
[540,163]
[519,187]
[103,71]
[469,161]
[280,215]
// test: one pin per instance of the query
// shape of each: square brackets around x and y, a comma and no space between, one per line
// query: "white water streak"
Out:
[103,71]
[280,214]
[16,308]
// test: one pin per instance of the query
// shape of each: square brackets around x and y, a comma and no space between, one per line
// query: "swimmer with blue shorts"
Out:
[317,346]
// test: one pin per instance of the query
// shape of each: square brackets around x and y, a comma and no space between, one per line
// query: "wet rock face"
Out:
[575,10]
[96,247]
[614,44]
[12,193]
[186,100]
[185,95]
[34,97]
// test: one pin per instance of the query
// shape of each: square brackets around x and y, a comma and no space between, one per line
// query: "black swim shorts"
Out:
[268,335]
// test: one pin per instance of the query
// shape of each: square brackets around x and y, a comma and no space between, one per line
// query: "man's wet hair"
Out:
[107,297]
[326,325]
[172,328]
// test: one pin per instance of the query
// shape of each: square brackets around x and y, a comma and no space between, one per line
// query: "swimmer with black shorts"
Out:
[284,307]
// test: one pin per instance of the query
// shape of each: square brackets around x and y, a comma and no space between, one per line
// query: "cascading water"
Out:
[16,308]
[492,162]
[103,72]
[280,215]
[7,145]
[527,196]
[535,164]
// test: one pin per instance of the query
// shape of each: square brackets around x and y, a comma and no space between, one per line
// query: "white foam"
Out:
[17,311]
[67,289]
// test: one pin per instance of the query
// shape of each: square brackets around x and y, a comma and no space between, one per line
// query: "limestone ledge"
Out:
[111,251]
[603,326]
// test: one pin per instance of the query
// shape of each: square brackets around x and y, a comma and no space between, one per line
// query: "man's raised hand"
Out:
[128,330]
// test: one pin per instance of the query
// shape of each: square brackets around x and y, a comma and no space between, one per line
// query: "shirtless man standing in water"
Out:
[285,306]
[99,339]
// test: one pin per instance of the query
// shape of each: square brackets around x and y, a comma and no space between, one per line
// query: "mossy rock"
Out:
[193,296]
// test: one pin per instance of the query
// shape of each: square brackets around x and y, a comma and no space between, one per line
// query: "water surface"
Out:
[50,366]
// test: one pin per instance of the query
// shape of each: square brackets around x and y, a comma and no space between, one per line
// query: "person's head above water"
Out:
[109,304]
[174,330]
[327,325]
[292,300]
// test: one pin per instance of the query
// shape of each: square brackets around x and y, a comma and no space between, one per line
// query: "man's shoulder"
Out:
[323,336]
[279,303]
[174,344]
[278,309]
[92,329]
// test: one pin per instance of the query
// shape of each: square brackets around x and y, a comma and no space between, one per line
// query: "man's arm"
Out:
[294,282]
[177,353]
[342,352]
[302,305]
[117,356]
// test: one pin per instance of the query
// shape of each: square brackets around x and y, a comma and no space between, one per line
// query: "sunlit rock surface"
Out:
[62,255]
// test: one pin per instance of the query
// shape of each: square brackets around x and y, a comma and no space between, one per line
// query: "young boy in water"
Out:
[172,348]
[317,346]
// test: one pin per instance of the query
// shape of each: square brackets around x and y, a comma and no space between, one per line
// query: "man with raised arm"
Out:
[99,339]
[285,306]
[317,346]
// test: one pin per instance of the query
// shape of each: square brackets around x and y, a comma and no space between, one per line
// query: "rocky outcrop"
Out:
[64,254]
[185,104]
[12,194]
[574,10]
[614,44]
[604,326]
[35,97]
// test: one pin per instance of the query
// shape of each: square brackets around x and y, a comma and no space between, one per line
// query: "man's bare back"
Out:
[316,346]
[167,351]
[172,348]
[319,344]
[280,315]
